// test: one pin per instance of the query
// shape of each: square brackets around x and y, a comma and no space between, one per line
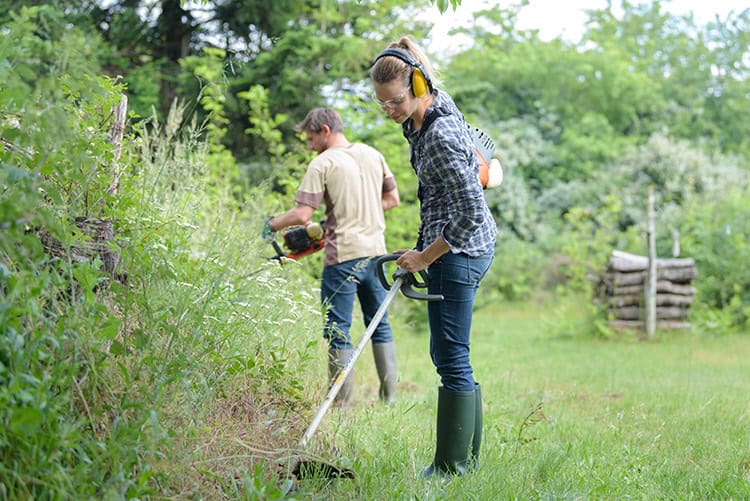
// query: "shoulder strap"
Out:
[434,115]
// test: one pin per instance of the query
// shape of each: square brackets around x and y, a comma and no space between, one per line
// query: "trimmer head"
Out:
[309,469]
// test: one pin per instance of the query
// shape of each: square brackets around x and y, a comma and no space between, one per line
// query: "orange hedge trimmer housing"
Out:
[300,241]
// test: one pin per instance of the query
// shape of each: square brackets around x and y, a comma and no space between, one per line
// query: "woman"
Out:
[455,243]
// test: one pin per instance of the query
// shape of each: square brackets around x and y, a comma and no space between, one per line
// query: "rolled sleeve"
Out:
[389,184]
[307,198]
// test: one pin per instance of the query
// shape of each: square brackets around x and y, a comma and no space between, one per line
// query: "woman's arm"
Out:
[414,261]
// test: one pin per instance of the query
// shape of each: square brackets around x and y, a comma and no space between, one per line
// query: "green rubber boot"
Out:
[385,363]
[456,418]
[337,359]
[476,441]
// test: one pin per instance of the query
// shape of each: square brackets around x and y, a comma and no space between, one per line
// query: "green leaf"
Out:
[117,348]
[25,72]
[25,420]
[109,329]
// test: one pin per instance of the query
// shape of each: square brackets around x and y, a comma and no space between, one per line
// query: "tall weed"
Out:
[107,387]
[56,164]
[207,312]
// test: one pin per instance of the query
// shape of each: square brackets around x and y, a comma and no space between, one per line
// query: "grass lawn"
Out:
[566,417]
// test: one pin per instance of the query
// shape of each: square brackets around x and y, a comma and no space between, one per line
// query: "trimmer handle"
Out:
[408,280]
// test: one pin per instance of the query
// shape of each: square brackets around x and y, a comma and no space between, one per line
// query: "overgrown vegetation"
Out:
[110,382]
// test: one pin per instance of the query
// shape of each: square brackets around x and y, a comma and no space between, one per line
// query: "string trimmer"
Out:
[404,282]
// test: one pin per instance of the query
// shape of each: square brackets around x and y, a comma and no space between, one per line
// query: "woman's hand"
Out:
[411,260]
[416,261]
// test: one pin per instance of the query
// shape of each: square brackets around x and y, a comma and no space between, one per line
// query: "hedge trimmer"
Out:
[300,241]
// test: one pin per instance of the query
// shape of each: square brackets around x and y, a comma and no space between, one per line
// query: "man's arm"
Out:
[300,214]
[390,198]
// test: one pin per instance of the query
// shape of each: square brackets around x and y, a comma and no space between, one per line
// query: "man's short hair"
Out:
[317,118]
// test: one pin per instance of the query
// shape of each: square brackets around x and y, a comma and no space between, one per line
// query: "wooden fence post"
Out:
[650,290]
[117,131]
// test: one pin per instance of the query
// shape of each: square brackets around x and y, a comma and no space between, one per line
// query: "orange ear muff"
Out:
[421,85]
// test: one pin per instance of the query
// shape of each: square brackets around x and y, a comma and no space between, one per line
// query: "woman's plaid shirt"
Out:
[450,193]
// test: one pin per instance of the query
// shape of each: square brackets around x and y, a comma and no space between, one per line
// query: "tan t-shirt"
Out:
[351,180]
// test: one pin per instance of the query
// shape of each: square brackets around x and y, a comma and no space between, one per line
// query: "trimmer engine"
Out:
[300,240]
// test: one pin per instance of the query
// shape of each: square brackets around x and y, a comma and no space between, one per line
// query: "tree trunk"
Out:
[663,286]
[175,30]
[682,275]
[637,324]
[625,261]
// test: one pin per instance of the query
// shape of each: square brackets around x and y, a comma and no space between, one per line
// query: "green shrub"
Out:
[56,166]
[517,272]
[107,385]
[716,234]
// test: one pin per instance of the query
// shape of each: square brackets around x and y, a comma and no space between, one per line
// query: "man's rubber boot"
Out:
[476,441]
[456,417]
[385,363]
[337,359]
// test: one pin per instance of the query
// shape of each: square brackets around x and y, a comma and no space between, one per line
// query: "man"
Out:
[357,186]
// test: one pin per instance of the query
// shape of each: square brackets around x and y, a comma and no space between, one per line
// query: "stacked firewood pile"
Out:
[624,285]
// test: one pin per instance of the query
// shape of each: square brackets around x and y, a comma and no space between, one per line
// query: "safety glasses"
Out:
[391,103]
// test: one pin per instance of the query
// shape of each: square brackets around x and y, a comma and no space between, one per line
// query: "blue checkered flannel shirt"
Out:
[450,193]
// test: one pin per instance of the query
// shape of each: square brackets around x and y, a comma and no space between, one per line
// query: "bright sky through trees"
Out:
[561,19]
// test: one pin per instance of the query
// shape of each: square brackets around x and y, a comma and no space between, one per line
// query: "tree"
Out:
[629,78]
[317,52]
[586,103]
[701,70]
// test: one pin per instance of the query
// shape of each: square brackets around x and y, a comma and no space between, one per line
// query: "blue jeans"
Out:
[340,284]
[456,277]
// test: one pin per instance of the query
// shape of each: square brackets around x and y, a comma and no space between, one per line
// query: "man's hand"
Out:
[267,232]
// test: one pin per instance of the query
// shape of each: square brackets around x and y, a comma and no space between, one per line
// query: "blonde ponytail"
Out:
[387,69]
[410,46]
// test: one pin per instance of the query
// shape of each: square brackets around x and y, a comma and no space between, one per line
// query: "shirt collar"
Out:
[442,105]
